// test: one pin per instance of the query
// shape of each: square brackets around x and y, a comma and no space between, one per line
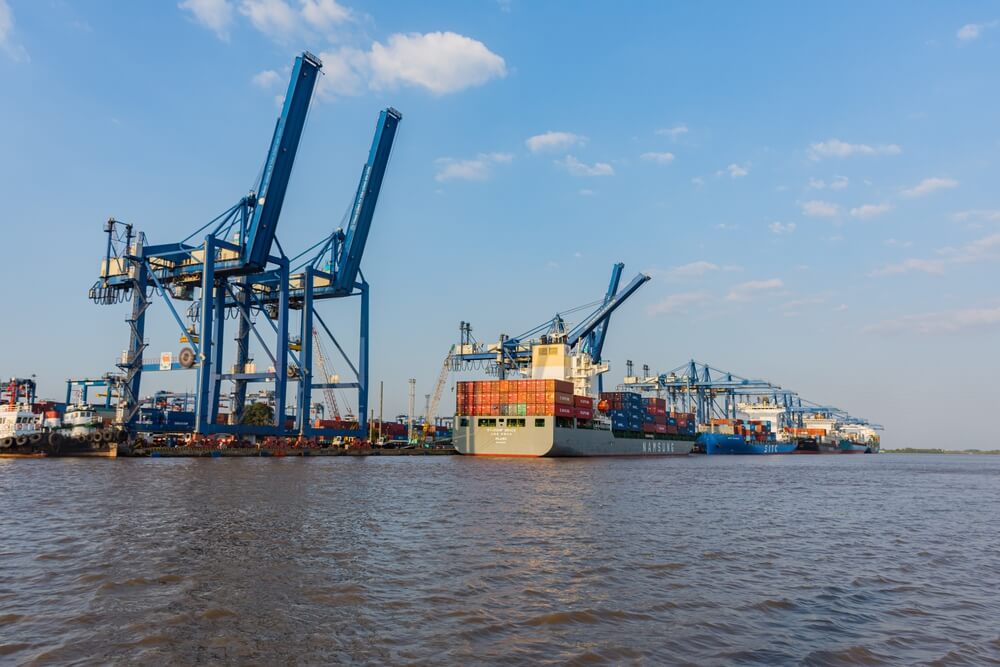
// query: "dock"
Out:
[198,452]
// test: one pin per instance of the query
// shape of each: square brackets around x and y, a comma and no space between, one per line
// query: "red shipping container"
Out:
[660,420]
[583,402]
[564,399]
[649,428]
[672,430]
[563,411]
[562,386]
[660,428]
[583,413]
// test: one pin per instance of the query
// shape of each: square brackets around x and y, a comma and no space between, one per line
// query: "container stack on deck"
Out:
[806,432]
[755,430]
[522,398]
[626,410]
[654,418]
[681,423]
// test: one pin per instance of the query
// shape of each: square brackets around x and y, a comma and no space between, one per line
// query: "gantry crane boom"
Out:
[432,405]
[280,158]
[594,344]
[604,312]
[328,393]
[347,261]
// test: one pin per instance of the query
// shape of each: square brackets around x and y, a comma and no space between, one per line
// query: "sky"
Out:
[813,187]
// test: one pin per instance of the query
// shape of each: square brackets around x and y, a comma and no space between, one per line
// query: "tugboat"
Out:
[21,435]
[83,434]
[25,434]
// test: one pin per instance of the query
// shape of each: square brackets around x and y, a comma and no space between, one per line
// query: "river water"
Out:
[822,560]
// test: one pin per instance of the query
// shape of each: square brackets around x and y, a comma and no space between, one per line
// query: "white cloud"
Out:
[586,192]
[866,211]
[578,168]
[15,52]
[674,132]
[838,183]
[973,31]
[693,270]
[779,228]
[438,62]
[344,73]
[929,185]
[748,290]
[441,62]
[479,168]
[931,266]
[820,209]
[895,243]
[216,15]
[266,79]
[658,158]
[735,170]
[986,249]
[675,303]
[792,308]
[553,141]
[986,215]
[945,322]
[838,148]
[280,20]
[698,181]
[274,18]
[325,14]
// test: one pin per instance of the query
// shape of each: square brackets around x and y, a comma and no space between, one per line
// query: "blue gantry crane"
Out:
[711,393]
[594,343]
[233,267]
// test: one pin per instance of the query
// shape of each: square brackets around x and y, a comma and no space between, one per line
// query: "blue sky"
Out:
[812,187]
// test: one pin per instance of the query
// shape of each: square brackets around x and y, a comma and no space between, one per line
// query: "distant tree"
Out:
[258,414]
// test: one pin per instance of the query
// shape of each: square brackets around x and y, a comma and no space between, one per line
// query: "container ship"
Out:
[738,436]
[841,440]
[536,418]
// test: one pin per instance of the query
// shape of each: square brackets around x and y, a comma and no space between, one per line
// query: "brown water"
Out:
[837,560]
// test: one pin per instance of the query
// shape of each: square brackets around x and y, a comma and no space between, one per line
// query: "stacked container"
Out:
[655,416]
[626,410]
[684,422]
[752,430]
[522,398]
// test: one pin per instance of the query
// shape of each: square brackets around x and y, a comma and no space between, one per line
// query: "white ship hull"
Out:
[539,436]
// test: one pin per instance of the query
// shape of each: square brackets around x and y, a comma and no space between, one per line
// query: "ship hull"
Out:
[848,447]
[813,446]
[60,447]
[721,443]
[492,436]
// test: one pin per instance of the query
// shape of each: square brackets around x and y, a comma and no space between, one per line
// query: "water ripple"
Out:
[748,561]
